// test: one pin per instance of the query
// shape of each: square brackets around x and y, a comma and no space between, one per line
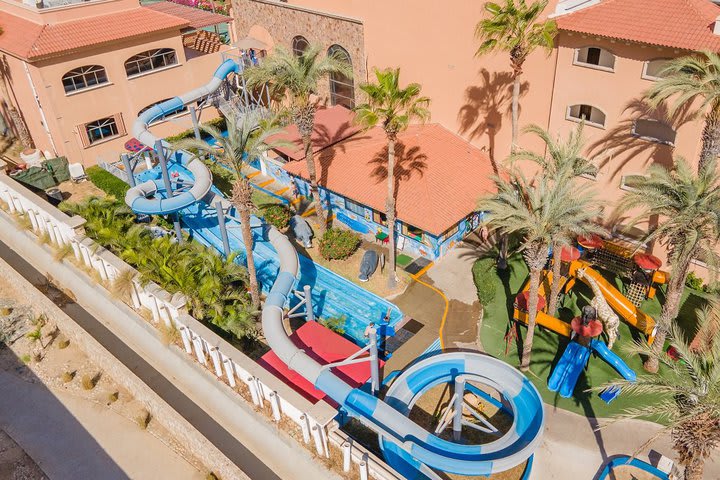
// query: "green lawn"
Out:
[548,347]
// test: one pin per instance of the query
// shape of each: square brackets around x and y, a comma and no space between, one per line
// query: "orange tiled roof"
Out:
[441,176]
[331,126]
[683,24]
[31,40]
[197,18]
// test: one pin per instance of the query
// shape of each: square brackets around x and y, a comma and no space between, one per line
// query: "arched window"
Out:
[591,115]
[654,131]
[342,88]
[167,115]
[594,57]
[299,45]
[150,60]
[652,69]
[84,77]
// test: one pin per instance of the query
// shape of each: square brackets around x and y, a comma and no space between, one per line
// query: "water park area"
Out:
[297,263]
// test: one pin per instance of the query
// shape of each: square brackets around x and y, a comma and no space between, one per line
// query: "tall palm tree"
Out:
[246,140]
[689,391]
[295,78]
[688,207]
[685,80]
[393,108]
[531,209]
[514,27]
[565,161]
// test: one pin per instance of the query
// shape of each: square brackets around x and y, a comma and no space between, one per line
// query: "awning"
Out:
[250,43]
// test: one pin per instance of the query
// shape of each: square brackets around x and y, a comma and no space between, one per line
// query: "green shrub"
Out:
[107,182]
[338,244]
[277,215]
[485,278]
[218,123]
[694,282]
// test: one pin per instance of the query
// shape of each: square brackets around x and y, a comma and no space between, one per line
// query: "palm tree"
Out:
[296,78]
[685,80]
[246,140]
[393,108]
[514,28]
[532,209]
[688,207]
[564,162]
[689,394]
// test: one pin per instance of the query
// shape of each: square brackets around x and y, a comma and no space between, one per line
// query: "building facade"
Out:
[81,73]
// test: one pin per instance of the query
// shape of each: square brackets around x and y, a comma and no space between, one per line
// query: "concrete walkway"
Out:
[248,440]
[69,437]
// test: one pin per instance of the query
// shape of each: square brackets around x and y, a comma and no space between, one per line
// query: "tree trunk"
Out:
[555,286]
[18,125]
[669,312]
[515,108]
[242,198]
[532,315]
[694,469]
[710,137]
[390,213]
[314,191]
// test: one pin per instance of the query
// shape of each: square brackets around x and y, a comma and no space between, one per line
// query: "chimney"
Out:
[716,26]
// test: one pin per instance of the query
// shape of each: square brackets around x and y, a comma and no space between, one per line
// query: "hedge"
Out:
[107,182]
[485,278]
[277,215]
[337,244]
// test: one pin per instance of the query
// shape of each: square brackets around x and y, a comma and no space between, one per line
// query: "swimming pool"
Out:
[333,296]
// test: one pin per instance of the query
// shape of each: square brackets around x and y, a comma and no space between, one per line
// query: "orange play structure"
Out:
[629,312]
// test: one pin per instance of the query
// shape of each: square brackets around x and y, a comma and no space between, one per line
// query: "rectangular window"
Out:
[593,56]
[413,232]
[355,207]
[449,233]
[379,218]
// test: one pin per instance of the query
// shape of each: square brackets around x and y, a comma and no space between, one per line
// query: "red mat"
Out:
[324,346]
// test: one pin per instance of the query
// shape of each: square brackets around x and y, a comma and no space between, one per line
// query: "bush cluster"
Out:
[338,244]
[107,182]
[277,215]
[485,278]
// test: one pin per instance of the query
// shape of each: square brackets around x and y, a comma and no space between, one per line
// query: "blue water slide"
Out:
[626,460]
[577,365]
[403,440]
[150,197]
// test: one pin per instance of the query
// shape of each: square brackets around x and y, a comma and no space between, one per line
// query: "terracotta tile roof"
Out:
[197,18]
[441,176]
[30,40]
[683,24]
[331,126]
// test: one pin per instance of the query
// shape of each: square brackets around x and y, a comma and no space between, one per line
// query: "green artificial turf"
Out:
[548,347]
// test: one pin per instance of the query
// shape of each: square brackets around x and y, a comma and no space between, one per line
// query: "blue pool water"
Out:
[333,296]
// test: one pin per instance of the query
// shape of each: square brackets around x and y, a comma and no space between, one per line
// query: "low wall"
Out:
[241,378]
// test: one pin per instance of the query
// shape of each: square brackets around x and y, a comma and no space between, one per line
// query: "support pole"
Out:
[223,228]
[168,187]
[374,362]
[245,92]
[308,304]
[195,124]
[458,407]
[128,169]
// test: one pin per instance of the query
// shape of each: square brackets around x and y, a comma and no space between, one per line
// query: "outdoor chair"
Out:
[77,172]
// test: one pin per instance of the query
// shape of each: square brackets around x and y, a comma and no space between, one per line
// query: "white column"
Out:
[305,428]
[215,355]
[229,371]
[185,334]
[199,351]
[347,456]
[253,391]
[317,437]
[275,406]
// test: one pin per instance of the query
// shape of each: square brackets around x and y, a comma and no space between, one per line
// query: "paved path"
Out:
[250,441]
[69,437]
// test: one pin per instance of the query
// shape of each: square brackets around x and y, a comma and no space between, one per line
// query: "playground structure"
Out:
[606,298]
[183,186]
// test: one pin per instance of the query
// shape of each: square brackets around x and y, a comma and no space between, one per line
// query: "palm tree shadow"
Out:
[486,104]
[408,162]
[621,141]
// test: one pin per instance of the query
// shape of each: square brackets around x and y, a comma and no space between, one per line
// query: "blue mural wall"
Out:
[362,219]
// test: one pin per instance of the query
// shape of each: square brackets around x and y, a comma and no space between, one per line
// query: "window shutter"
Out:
[120,124]
[82,133]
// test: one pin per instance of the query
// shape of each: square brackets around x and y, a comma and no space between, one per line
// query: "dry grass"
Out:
[88,382]
[63,343]
[62,252]
[143,419]
[112,397]
[67,377]
[122,285]
[169,334]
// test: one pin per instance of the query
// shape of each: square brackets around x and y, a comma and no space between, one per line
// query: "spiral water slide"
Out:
[401,437]
[147,197]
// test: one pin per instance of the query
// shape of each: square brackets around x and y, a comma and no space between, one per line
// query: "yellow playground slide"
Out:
[629,312]
[543,319]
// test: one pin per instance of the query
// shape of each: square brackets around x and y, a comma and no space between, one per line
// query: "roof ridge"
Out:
[695,5]
[37,39]
[585,9]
